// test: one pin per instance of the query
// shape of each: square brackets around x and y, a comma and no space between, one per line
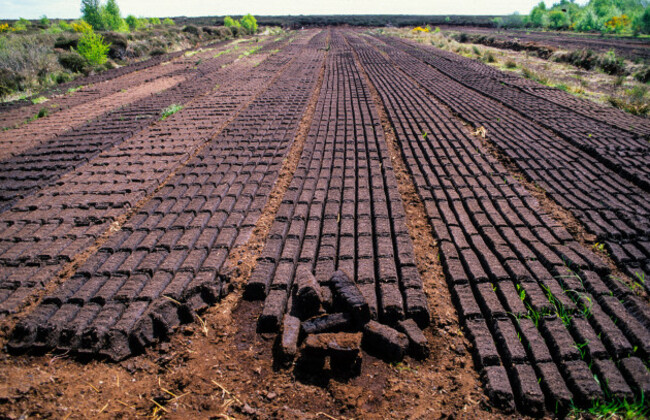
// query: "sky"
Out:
[32,9]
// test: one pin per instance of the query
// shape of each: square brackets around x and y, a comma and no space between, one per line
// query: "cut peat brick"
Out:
[497,388]
[384,342]
[418,346]
[558,396]
[581,382]
[637,375]
[528,394]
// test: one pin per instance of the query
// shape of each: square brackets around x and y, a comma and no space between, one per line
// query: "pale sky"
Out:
[32,9]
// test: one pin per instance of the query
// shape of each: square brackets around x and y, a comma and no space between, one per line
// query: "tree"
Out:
[538,15]
[91,11]
[111,16]
[645,21]
[558,19]
[588,22]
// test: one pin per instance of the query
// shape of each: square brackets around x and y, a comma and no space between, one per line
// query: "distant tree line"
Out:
[606,16]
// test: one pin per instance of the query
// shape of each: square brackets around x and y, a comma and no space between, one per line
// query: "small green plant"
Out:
[599,246]
[39,100]
[74,89]
[170,110]
[521,291]
[168,22]
[476,50]
[92,47]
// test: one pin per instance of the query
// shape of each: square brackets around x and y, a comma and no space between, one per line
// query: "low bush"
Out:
[191,29]
[74,62]
[225,32]
[92,47]
[66,42]
[611,64]
[643,75]
[118,45]
[10,81]
[168,22]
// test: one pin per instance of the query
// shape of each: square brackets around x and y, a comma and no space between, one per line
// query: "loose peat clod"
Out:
[350,297]
[343,349]
[384,341]
[328,323]
[308,297]
[418,346]
[288,347]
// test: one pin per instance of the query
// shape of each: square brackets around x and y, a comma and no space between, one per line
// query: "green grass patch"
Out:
[614,409]
[39,100]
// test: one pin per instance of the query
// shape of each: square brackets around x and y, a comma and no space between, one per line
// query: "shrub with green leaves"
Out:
[229,22]
[92,47]
[168,22]
[103,16]
[154,21]
[133,22]
[249,23]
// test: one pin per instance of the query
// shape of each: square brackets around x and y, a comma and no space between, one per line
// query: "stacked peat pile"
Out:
[332,323]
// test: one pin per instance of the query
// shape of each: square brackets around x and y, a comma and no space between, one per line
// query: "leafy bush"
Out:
[103,17]
[249,23]
[92,47]
[618,23]
[558,19]
[44,21]
[133,22]
[81,26]
[168,22]
[229,22]
[65,25]
[154,21]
